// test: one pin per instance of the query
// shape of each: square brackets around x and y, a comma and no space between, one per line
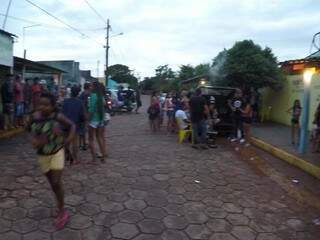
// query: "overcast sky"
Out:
[158,32]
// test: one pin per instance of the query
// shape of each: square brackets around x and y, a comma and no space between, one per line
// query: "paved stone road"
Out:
[150,188]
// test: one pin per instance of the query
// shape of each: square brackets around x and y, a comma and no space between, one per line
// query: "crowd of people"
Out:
[61,122]
[193,111]
[18,99]
[187,110]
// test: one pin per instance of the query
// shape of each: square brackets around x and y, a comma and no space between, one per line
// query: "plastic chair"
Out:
[182,133]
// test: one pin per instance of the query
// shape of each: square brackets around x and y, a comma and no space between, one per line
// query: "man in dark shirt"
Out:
[138,100]
[235,105]
[74,110]
[84,97]
[199,111]
[7,94]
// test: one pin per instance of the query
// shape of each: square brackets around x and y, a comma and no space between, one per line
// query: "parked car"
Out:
[127,105]
[221,95]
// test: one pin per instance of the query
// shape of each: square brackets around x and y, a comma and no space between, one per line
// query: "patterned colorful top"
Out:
[49,131]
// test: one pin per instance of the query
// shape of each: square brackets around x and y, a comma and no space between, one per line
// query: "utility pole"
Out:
[107,52]
[98,66]
[6,16]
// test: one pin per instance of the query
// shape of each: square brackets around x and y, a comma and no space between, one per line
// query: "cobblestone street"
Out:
[150,188]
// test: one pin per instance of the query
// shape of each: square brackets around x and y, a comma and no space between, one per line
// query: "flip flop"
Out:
[62,219]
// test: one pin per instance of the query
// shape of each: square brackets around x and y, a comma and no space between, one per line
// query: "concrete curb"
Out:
[290,158]
[11,133]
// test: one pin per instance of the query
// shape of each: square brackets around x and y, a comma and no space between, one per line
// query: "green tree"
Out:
[122,74]
[163,78]
[202,69]
[248,65]
[147,84]
[186,72]
[164,73]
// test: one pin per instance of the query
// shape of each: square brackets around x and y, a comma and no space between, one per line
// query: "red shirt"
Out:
[18,92]
[36,89]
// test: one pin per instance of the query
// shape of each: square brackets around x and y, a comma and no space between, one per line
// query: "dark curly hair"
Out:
[51,98]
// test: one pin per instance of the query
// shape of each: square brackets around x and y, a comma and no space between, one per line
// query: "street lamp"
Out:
[24,49]
[24,36]
[107,51]
[307,77]
[119,34]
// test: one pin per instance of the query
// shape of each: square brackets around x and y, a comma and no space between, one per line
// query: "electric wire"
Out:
[95,11]
[49,25]
[63,22]
[19,19]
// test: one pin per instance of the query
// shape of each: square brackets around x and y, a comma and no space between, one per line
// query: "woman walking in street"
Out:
[84,97]
[169,109]
[247,115]
[96,122]
[295,110]
[73,109]
[315,132]
[154,112]
[48,138]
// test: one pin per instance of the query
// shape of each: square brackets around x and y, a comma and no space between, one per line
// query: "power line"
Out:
[63,22]
[95,11]
[56,18]
[19,19]
[6,16]
[51,26]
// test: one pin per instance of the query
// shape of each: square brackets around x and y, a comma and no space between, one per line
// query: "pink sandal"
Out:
[61,219]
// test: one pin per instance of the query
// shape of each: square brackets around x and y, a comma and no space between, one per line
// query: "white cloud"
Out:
[159,32]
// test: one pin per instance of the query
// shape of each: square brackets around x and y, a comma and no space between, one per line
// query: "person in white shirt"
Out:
[182,119]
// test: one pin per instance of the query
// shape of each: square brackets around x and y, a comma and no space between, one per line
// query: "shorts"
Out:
[96,124]
[294,121]
[19,109]
[153,116]
[247,120]
[170,114]
[52,162]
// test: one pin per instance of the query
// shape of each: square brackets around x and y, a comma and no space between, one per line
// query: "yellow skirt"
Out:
[52,162]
